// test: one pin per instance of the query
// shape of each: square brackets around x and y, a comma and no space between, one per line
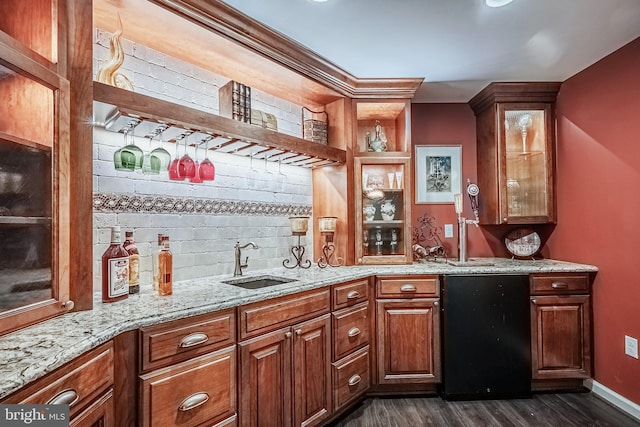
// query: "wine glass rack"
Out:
[115,108]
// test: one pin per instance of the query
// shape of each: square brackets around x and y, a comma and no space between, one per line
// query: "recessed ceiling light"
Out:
[497,3]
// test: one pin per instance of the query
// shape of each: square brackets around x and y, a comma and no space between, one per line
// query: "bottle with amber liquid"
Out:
[165,268]
[154,262]
[134,262]
[115,269]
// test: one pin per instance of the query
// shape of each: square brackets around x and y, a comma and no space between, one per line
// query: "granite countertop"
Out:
[30,353]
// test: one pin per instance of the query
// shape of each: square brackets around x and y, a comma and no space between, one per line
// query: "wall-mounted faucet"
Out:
[239,266]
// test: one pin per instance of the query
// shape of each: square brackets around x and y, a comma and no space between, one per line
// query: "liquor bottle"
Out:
[115,269]
[134,262]
[154,262]
[165,268]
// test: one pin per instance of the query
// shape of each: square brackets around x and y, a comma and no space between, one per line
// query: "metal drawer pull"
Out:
[298,331]
[288,334]
[408,288]
[353,295]
[353,332]
[354,380]
[559,285]
[193,401]
[67,397]
[194,339]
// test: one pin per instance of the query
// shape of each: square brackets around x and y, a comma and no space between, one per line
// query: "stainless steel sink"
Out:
[257,282]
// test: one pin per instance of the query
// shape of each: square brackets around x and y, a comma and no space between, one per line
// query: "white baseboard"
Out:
[617,400]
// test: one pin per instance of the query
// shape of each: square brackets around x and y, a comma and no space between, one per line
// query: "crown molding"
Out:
[258,38]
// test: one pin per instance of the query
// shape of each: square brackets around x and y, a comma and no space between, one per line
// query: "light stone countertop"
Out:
[30,353]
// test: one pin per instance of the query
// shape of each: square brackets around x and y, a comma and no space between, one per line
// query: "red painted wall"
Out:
[451,124]
[598,187]
[598,197]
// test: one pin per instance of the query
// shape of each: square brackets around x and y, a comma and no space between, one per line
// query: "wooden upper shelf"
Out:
[244,137]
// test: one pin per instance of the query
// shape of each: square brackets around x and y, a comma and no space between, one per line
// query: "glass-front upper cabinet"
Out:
[383,210]
[34,184]
[516,140]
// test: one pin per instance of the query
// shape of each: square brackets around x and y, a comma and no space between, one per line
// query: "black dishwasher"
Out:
[486,332]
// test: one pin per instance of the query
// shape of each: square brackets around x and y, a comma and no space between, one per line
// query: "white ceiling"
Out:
[458,46]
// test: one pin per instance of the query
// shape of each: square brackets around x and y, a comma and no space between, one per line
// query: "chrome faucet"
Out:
[472,191]
[239,266]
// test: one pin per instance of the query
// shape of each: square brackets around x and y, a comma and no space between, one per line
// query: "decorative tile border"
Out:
[140,203]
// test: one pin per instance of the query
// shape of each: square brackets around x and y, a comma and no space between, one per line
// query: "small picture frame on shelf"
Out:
[438,173]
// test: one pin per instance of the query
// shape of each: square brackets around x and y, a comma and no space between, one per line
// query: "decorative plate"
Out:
[523,242]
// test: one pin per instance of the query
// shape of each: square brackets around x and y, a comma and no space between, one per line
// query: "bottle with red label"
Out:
[134,262]
[115,269]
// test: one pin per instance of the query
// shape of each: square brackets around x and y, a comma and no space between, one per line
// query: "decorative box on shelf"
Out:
[235,101]
[313,129]
[265,120]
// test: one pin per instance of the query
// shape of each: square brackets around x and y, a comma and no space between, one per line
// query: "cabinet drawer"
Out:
[559,284]
[77,384]
[263,316]
[191,393]
[408,287]
[182,339]
[350,378]
[348,294]
[350,329]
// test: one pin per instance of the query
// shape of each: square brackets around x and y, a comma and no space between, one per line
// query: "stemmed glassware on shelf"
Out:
[207,169]
[196,178]
[129,157]
[174,174]
[162,156]
[186,165]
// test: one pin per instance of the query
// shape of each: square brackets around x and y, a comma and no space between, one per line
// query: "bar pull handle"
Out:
[66,397]
[353,295]
[193,401]
[354,380]
[408,288]
[194,339]
[559,285]
[353,332]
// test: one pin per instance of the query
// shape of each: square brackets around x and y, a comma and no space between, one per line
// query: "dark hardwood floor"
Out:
[543,410]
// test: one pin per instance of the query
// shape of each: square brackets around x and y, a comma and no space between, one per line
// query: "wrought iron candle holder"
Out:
[327,226]
[299,227]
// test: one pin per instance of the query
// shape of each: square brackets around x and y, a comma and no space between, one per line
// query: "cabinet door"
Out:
[526,190]
[383,210]
[34,190]
[98,414]
[265,380]
[561,345]
[312,371]
[408,341]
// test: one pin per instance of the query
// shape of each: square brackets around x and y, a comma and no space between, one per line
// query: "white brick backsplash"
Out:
[202,245]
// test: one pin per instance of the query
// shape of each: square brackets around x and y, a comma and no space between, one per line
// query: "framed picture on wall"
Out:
[438,173]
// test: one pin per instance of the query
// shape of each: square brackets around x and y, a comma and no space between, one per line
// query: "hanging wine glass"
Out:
[196,178]
[131,155]
[129,164]
[186,166]
[207,169]
[150,162]
[163,155]
[173,166]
